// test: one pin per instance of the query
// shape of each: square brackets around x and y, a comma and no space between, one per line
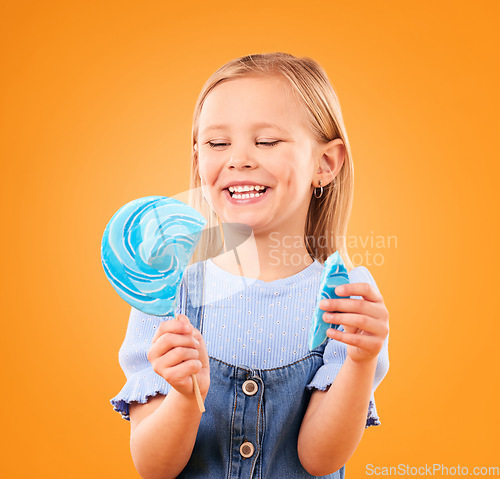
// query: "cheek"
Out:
[295,174]
[206,169]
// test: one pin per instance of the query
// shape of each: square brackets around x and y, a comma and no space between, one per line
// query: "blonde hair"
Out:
[328,216]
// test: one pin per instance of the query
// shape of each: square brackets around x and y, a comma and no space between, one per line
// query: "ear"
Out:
[331,159]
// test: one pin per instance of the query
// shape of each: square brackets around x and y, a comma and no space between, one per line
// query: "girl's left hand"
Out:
[365,321]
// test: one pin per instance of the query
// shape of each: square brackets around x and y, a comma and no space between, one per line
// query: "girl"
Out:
[271,156]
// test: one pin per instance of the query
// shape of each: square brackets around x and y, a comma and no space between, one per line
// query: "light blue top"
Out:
[258,324]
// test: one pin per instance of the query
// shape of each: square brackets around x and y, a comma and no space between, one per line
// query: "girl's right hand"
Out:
[177,351]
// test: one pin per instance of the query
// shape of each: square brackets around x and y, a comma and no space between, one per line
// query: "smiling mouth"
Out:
[245,192]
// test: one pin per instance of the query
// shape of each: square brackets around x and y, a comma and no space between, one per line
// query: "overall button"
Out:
[250,387]
[247,449]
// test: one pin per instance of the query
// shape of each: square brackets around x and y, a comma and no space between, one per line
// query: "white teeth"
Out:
[241,189]
[240,192]
[246,195]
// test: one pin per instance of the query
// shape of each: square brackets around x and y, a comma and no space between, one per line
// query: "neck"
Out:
[266,256]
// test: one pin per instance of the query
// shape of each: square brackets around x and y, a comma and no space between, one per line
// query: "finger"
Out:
[360,321]
[175,357]
[183,318]
[169,341]
[169,326]
[350,329]
[182,372]
[366,342]
[202,348]
[365,290]
[347,305]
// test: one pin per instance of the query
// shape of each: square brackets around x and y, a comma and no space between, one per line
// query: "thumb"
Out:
[183,318]
[350,329]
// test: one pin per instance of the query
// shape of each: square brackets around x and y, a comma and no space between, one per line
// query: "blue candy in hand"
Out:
[334,274]
[146,248]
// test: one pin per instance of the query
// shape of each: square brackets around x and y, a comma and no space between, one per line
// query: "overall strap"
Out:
[195,277]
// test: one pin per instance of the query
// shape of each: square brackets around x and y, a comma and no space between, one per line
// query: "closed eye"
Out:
[268,143]
[215,145]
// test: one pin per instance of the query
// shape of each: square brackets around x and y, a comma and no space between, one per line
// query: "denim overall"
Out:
[253,416]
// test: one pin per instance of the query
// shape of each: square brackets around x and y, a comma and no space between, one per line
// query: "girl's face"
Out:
[252,136]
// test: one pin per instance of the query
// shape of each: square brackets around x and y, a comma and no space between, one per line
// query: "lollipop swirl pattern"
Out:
[334,274]
[145,249]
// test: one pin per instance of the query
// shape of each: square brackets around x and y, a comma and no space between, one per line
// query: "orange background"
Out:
[97,99]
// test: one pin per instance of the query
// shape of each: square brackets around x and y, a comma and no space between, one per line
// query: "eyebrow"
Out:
[255,126]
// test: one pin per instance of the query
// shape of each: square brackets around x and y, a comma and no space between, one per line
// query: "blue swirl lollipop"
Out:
[146,248]
[334,274]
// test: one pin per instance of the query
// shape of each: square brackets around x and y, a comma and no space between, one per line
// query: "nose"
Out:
[240,158]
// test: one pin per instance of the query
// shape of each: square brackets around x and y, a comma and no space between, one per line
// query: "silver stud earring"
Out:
[316,189]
